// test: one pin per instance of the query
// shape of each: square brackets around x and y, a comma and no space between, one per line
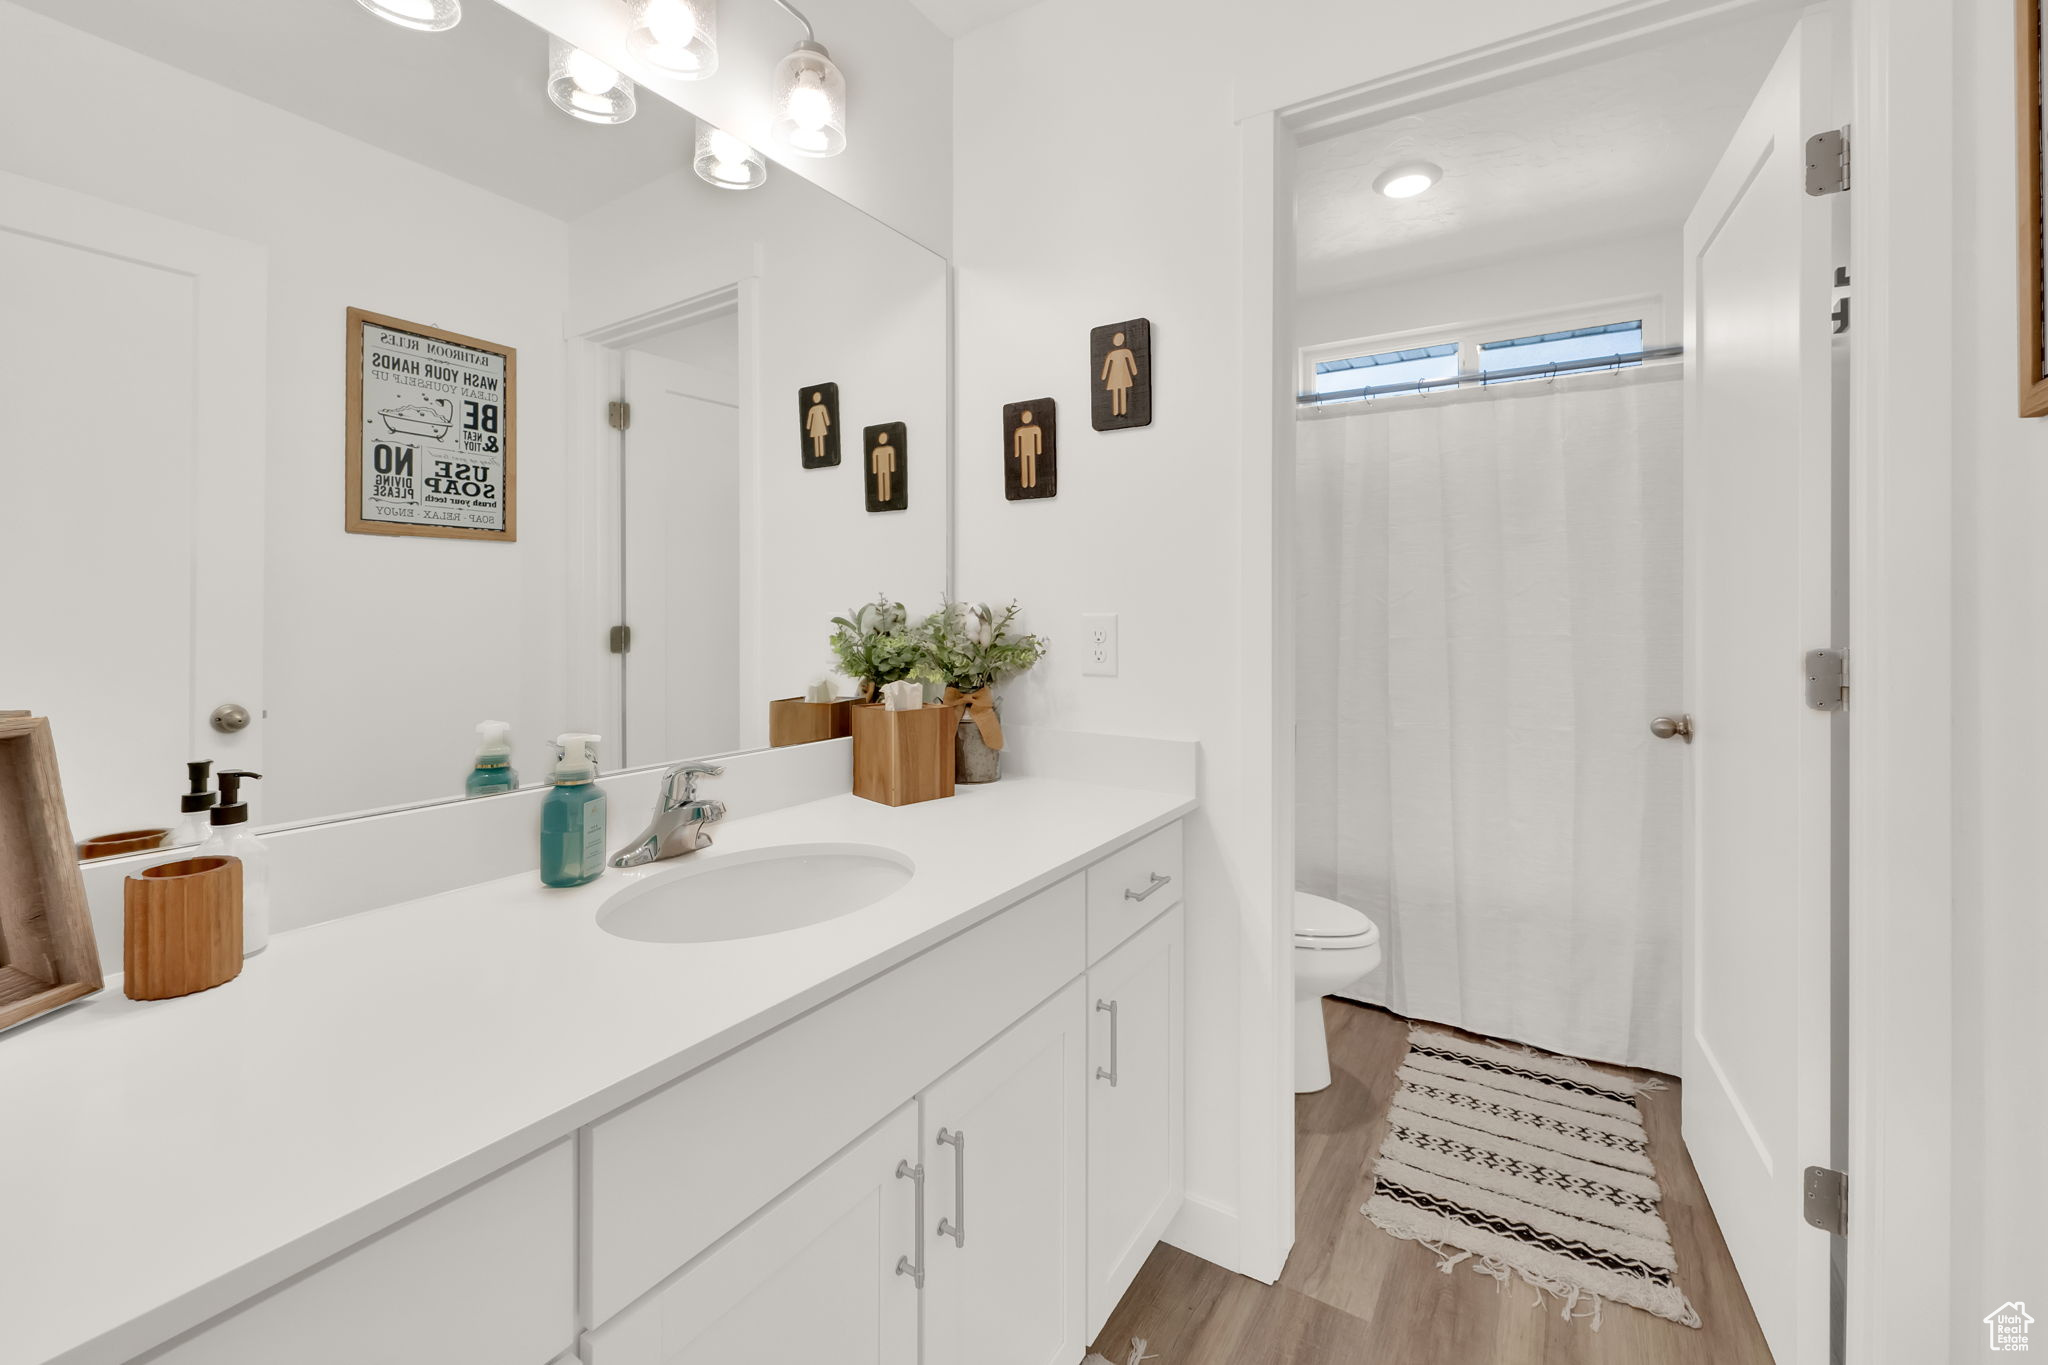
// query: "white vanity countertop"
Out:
[168,1160]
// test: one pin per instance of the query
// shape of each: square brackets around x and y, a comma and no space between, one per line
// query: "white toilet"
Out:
[1334,945]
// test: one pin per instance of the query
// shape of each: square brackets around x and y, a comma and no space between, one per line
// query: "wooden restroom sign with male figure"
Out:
[1031,461]
[887,478]
[1120,375]
[817,409]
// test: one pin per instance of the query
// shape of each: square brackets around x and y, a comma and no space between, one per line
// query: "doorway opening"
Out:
[1502,580]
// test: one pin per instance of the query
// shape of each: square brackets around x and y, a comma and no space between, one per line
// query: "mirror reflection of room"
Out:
[230,593]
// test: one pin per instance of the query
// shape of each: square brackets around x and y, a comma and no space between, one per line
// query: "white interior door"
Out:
[1759,592]
[130,362]
[681,488]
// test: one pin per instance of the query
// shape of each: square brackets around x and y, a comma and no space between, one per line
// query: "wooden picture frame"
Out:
[48,954]
[2033,251]
[447,438]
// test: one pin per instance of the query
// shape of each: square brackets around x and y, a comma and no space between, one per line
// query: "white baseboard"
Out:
[1209,1230]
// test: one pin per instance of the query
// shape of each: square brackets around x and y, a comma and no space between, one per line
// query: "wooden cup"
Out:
[903,757]
[184,928]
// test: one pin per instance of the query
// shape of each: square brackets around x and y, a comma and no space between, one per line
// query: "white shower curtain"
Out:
[1489,600]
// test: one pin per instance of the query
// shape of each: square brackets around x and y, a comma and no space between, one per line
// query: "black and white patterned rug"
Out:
[1527,1165]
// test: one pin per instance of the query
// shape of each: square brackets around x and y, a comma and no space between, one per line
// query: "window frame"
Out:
[1470,335]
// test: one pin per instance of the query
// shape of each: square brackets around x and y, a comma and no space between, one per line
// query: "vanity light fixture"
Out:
[676,36]
[1405,182]
[810,96]
[585,87]
[430,16]
[725,161]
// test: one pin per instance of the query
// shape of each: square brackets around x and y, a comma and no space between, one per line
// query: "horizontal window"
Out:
[1416,365]
[1577,348]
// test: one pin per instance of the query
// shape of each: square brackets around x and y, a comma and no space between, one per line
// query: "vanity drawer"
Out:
[488,1275]
[1115,885]
[670,1174]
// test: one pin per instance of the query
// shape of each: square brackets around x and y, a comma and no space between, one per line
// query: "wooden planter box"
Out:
[48,956]
[792,720]
[903,757]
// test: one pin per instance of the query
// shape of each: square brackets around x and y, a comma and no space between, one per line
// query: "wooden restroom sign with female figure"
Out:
[1031,460]
[1120,374]
[888,479]
[817,410]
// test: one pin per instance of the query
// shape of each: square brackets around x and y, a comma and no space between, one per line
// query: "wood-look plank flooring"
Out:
[1353,1294]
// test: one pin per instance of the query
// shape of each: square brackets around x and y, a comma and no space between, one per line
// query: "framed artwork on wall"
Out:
[887,476]
[432,432]
[817,411]
[2033,261]
[1031,455]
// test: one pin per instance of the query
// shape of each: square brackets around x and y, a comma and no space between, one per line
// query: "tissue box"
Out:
[792,720]
[903,757]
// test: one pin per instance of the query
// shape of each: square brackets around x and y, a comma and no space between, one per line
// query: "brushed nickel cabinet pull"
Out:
[956,1226]
[1159,879]
[904,1265]
[1109,1007]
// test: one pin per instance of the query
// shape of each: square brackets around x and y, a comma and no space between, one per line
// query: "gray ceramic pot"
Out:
[974,761]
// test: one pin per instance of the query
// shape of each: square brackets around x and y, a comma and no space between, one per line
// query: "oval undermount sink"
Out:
[759,891]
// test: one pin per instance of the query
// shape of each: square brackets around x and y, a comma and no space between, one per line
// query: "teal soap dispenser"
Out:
[572,816]
[493,771]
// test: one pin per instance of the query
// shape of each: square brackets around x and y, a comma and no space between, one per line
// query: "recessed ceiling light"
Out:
[1405,182]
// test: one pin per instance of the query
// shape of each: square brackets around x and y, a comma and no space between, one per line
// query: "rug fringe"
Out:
[1578,1303]
[1136,1357]
[1554,1058]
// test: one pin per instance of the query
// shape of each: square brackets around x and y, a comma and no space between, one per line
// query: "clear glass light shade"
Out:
[430,16]
[585,87]
[725,161]
[676,36]
[810,102]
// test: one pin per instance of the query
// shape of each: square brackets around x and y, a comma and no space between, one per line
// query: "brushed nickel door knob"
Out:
[230,718]
[1672,727]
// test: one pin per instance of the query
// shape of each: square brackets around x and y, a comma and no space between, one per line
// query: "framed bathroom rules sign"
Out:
[432,431]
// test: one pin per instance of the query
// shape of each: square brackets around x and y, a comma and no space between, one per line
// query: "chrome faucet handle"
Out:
[689,773]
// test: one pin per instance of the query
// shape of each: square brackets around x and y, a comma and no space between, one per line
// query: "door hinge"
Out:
[622,639]
[619,414]
[1827,1200]
[1827,679]
[1827,162]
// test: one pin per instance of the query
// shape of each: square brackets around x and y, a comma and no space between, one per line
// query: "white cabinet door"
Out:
[1135,1144]
[490,1275]
[1004,1145]
[813,1277]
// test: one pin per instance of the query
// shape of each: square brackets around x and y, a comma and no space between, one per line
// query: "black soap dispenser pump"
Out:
[194,806]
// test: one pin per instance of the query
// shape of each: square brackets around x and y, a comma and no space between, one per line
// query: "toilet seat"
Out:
[1322,925]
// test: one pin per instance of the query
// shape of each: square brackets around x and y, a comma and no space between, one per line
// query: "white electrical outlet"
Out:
[1098,644]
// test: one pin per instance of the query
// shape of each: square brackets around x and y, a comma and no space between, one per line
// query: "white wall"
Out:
[381,653]
[1114,195]
[830,296]
[2001,594]
[898,157]
[1641,265]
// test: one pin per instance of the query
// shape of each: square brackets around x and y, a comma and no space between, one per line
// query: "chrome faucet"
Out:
[680,817]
